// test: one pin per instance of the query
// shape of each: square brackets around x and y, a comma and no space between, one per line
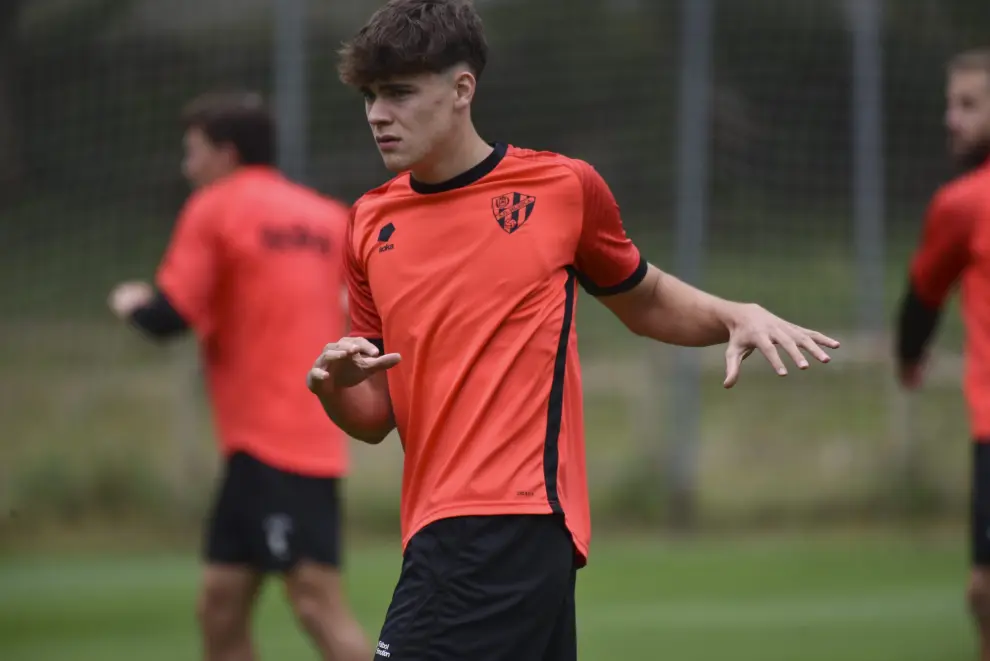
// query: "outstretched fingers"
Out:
[769,351]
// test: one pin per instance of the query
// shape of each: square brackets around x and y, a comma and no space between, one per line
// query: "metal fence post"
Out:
[692,166]
[291,100]
[866,17]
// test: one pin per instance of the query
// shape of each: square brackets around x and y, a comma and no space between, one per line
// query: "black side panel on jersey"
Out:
[555,409]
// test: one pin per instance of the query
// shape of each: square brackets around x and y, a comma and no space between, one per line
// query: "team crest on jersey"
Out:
[512,210]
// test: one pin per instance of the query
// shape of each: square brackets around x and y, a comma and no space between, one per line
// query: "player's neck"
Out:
[463,153]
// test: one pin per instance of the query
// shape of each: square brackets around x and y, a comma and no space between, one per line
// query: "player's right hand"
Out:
[911,375]
[346,363]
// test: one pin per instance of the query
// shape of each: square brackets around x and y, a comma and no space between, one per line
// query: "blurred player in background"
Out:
[464,270]
[955,245]
[254,269]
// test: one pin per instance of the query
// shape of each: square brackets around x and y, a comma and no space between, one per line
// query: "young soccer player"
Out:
[254,268]
[954,247]
[463,275]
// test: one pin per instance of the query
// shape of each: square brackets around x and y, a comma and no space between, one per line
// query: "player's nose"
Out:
[378,114]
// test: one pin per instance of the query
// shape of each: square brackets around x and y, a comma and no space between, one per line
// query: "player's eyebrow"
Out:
[396,87]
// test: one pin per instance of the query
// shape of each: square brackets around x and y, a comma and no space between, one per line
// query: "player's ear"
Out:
[464,86]
[230,156]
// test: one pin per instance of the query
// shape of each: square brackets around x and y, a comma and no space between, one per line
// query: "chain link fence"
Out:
[804,207]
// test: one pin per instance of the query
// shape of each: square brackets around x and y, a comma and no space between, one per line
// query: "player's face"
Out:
[967,116]
[415,119]
[204,162]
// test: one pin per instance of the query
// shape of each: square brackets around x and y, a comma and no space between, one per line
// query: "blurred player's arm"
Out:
[657,305]
[147,310]
[939,260]
[182,296]
[157,318]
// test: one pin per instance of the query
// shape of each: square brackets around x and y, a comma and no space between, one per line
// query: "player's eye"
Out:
[398,92]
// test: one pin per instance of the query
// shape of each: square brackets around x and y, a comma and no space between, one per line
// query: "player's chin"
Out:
[395,162]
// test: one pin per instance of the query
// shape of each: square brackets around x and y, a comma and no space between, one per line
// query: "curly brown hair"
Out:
[408,37]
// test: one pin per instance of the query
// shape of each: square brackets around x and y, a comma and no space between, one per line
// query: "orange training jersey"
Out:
[956,244]
[255,268]
[473,283]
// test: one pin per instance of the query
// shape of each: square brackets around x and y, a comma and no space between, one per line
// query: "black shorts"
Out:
[484,588]
[271,519]
[980,506]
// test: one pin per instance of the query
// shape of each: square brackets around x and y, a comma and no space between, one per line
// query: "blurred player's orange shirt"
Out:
[255,268]
[473,282]
[955,246]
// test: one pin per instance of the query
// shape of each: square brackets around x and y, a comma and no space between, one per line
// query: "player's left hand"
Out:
[128,297]
[753,327]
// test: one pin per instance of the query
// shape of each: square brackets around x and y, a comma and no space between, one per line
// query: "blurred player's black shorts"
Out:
[484,588]
[271,519]
[980,510]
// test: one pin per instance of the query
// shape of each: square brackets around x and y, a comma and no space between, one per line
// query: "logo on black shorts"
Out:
[512,210]
[277,529]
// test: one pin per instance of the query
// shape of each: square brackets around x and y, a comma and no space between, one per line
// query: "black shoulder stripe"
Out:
[637,277]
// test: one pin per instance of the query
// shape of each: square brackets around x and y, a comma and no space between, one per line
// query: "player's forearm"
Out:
[363,412]
[684,315]
[916,325]
[158,319]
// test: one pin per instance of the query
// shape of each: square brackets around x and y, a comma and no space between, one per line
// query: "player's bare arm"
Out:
[939,261]
[349,379]
[668,310]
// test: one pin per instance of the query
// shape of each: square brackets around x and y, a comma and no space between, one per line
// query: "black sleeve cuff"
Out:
[159,318]
[916,325]
[637,277]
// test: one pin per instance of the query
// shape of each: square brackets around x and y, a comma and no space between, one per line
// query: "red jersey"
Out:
[255,268]
[955,247]
[473,282]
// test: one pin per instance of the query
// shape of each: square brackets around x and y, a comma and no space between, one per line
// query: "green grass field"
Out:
[96,423]
[836,598]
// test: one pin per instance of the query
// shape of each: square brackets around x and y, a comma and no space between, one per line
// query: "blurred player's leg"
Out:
[225,604]
[295,530]
[978,591]
[978,596]
[316,594]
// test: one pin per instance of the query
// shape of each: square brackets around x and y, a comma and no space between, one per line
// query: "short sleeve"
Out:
[944,249]
[607,261]
[188,272]
[362,313]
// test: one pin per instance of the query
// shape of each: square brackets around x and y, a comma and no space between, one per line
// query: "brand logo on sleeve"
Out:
[384,234]
[512,210]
